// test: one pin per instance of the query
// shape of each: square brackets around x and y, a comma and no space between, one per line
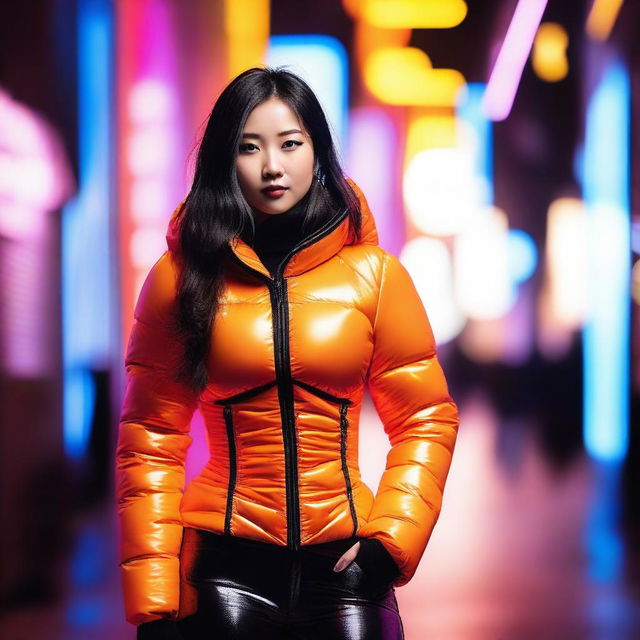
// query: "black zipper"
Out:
[233,469]
[280,313]
[344,428]
[285,396]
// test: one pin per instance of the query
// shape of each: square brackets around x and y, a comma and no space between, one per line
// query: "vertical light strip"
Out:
[322,62]
[602,17]
[372,162]
[151,168]
[246,27]
[507,71]
[86,234]
[469,111]
[606,333]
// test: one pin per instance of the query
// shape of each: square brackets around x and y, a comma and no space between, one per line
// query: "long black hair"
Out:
[215,210]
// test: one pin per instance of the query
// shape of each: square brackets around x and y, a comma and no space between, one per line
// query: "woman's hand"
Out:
[347,557]
[373,559]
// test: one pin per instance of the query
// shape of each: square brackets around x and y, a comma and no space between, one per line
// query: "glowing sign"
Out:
[505,76]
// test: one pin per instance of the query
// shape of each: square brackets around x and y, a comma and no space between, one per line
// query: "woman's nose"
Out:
[272,167]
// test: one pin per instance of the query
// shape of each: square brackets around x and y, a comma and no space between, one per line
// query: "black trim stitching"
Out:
[246,395]
[320,393]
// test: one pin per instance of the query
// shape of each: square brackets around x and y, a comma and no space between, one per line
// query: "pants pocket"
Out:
[203,554]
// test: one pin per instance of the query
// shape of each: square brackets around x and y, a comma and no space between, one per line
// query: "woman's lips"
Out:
[273,193]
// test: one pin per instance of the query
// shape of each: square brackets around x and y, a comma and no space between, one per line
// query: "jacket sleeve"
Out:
[410,394]
[153,438]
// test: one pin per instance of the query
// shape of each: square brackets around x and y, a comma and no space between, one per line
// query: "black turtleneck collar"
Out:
[276,235]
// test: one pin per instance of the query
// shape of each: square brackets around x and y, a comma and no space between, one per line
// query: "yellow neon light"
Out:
[353,8]
[635,282]
[404,76]
[416,14]
[367,38]
[549,56]
[566,261]
[602,17]
[429,131]
[246,23]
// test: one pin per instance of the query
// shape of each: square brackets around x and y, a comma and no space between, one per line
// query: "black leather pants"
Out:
[262,591]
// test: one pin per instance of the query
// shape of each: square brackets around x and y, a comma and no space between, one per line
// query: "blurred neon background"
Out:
[495,144]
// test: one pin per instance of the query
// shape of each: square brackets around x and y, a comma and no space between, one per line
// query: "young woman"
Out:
[271,311]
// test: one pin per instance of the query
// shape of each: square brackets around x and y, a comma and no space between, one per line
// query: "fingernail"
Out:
[337,568]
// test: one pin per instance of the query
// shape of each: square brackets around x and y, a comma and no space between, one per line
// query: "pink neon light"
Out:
[35,174]
[371,161]
[505,77]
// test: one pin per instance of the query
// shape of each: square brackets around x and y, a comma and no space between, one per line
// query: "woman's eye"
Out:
[249,146]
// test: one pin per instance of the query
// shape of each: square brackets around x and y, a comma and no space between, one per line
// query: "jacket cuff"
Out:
[374,559]
[163,629]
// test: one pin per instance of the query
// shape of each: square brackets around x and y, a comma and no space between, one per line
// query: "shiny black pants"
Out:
[262,591]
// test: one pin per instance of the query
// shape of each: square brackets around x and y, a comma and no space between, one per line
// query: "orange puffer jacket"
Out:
[289,361]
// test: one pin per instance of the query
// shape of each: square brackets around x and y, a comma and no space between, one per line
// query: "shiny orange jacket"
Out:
[289,362]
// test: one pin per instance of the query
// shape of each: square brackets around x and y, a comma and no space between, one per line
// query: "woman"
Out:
[270,312]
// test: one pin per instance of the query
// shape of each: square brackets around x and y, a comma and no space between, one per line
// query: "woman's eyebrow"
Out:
[282,133]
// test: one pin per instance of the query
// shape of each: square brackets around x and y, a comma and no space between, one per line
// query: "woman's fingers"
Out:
[347,557]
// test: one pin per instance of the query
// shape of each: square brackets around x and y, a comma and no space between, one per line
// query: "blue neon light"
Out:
[469,108]
[605,338]
[86,266]
[322,62]
[523,255]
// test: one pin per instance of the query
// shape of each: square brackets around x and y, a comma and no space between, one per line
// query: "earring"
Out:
[319,176]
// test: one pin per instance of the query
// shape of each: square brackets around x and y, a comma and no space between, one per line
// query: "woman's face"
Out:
[274,150]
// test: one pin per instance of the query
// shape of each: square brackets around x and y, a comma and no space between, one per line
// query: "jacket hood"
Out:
[320,250]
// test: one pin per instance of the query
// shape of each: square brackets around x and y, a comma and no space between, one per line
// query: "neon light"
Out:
[635,236]
[79,401]
[371,160]
[505,77]
[441,190]
[86,238]
[246,27]
[549,57]
[606,333]
[430,131]
[635,279]
[416,14]
[35,179]
[322,62]
[35,175]
[152,173]
[429,263]
[478,136]
[448,176]
[566,263]
[602,541]
[602,17]
[405,75]
[522,255]
[484,287]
